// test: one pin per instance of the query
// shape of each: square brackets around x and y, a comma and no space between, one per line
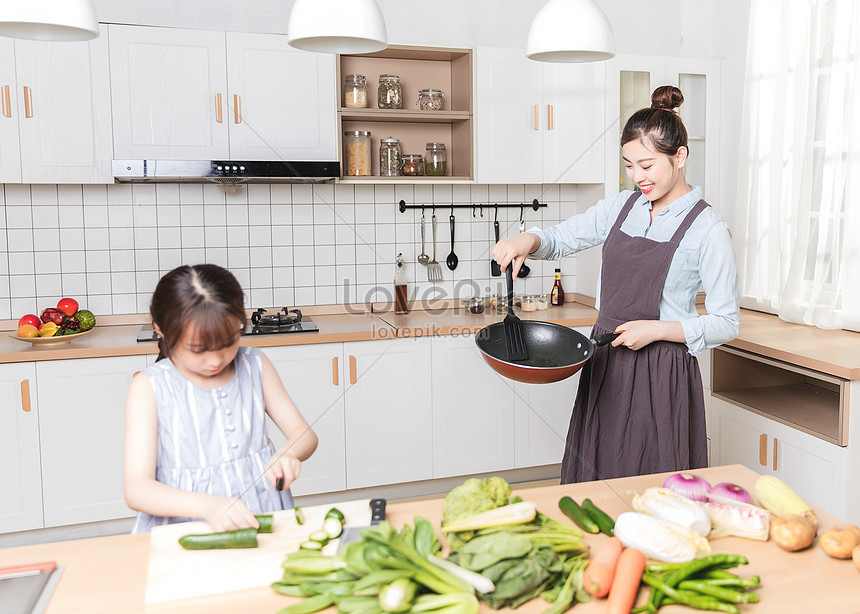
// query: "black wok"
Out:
[555,352]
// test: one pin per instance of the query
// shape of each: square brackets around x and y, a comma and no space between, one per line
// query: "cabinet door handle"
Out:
[218,113]
[352,370]
[335,377]
[25,395]
[774,452]
[762,450]
[7,102]
[28,102]
[550,117]
[537,118]
[237,109]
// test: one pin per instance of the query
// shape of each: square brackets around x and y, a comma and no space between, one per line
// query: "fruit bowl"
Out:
[56,340]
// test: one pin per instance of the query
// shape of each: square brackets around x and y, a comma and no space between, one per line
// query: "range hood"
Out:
[225,172]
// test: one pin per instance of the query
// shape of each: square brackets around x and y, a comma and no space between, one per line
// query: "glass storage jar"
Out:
[390,96]
[355,92]
[390,157]
[475,304]
[528,302]
[500,303]
[413,165]
[356,145]
[541,301]
[430,100]
[435,160]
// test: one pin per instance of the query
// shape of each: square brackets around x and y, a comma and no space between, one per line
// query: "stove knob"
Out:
[242,168]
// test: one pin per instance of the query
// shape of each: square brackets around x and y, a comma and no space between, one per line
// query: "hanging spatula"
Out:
[495,271]
[515,342]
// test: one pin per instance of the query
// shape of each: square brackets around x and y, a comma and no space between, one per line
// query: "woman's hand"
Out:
[636,334]
[283,465]
[229,514]
[515,249]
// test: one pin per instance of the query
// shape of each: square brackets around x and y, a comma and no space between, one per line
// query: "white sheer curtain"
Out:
[798,235]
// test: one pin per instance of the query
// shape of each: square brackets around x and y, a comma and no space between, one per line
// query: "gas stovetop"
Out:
[282,322]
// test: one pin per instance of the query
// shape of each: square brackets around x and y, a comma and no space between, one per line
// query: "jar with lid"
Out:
[355,92]
[436,160]
[413,165]
[390,157]
[356,144]
[390,96]
[430,100]
[501,303]
[542,302]
[475,304]
[528,302]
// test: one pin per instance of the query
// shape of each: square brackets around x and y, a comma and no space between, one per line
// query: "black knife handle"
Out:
[377,511]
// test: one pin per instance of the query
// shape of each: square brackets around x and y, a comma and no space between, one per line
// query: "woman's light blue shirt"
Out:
[705,257]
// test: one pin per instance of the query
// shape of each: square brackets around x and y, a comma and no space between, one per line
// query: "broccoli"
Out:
[473,496]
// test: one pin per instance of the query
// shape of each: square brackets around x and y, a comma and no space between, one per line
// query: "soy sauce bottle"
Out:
[400,293]
[557,293]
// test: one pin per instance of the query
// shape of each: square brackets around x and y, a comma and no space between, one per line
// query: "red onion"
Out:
[732,492]
[688,485]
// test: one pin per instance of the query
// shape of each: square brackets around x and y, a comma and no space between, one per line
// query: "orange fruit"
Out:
[28,330]
[48,329]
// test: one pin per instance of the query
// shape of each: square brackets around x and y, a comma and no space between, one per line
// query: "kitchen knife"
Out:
[353,534]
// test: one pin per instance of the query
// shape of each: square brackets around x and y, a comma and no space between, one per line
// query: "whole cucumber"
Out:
[578,515]
[601,518]
[240,538]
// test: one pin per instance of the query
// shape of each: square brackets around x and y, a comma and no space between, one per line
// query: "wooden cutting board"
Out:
[176,573]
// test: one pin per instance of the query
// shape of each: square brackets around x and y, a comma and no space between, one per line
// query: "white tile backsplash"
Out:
[288,244]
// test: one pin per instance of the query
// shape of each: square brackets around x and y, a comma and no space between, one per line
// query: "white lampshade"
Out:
[337,26]
[570,31]
[49,20]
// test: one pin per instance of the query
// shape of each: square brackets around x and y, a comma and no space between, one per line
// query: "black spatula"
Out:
[515,342]
[495,271]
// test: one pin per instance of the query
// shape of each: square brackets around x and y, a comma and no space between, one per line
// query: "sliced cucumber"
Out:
[311,545]
[332,527]
[319,536]
[335,513]
[300,515]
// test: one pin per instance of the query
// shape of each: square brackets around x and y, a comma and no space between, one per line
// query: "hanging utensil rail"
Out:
[534,205]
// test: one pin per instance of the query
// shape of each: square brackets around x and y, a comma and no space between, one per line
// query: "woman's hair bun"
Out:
[667,97]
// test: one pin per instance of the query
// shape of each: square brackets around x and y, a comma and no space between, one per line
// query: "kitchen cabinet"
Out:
[81,434]
[312,376]
[388,412]
[630,80]
[536,122]
[439,68]
[55,115]
[208,95]
[21,478]
[473,411]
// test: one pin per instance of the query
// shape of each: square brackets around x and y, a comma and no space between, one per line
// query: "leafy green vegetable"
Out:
[473,496]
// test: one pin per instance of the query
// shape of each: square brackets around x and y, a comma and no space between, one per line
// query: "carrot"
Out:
[625,586]
[601,570]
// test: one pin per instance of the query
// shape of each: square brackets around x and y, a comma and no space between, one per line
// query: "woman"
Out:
[640,405]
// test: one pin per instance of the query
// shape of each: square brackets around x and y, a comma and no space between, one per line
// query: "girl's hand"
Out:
[283,465]
[636,334]
[229,514]
[515,249]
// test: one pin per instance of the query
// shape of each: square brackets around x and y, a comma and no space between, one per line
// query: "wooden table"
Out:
[108,574]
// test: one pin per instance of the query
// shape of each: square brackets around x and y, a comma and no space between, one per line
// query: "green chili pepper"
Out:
[700,602]
[720,592]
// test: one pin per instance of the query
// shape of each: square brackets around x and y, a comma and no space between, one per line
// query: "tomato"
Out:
[68,306]
[31,319]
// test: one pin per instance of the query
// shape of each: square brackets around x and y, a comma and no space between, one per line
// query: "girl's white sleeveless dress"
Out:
[214,440]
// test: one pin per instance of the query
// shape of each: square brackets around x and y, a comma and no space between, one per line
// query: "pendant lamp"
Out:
[570,31]
[49,20]
[337,26]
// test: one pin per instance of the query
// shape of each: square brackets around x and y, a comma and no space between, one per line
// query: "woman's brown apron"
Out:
[636,411]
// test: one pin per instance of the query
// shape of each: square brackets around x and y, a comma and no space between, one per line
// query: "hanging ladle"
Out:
[452,259]
[524,269]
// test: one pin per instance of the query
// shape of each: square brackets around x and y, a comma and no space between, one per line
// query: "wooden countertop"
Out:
[835,352]
[108,574]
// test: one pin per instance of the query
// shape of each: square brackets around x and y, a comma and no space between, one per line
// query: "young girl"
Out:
[640,404]
[195,433]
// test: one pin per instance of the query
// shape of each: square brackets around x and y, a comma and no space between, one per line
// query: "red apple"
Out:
[31,319]
[68,306]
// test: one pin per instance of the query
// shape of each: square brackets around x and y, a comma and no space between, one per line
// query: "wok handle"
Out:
[605,338]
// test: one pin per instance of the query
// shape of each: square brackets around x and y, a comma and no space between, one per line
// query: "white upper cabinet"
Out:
[55,115]
[169,93]
[538,123]
[286,100]
[206,95]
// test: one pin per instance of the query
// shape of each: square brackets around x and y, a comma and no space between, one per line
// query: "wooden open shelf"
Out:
[446,69]
[809,401]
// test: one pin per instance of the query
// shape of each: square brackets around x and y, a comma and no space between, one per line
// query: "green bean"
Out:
[672,578]
[720,592]
[744,583]
[700,602]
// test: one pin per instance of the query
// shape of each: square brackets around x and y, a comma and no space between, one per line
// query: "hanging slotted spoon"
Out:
[434,269]
[422,257]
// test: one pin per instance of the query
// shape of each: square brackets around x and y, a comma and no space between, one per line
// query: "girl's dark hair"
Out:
[206,296]
[659,126]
